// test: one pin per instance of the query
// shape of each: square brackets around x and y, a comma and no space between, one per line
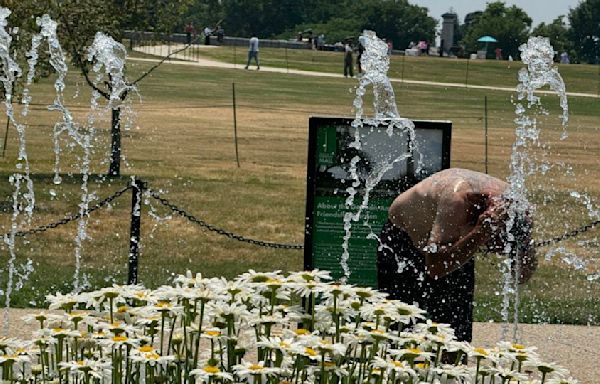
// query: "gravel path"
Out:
[576,348]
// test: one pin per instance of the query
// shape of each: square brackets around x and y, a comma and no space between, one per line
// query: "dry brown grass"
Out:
[182,143]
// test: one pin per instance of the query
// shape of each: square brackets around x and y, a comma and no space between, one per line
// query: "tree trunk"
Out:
[115,145]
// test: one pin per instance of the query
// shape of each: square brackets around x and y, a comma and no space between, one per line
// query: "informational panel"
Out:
[330,176]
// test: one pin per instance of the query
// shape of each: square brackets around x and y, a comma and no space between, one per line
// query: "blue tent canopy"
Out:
[487,39]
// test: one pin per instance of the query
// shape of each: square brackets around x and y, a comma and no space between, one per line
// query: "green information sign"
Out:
[329,179]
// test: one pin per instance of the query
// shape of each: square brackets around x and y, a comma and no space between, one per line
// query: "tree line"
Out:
[577,33]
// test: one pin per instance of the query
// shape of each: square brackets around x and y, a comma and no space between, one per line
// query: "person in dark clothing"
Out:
[348,62]
[220,34]
[361,50]
[434,229]
[189,31]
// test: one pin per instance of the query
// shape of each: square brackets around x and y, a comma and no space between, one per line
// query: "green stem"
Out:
[202,302]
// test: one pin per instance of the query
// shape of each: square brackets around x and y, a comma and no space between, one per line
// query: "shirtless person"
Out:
[433,231]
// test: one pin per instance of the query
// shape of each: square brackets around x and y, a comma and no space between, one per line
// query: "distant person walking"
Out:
[564,58]
[253,51]
[207,32]
[220,34]
[348,62]
[498,52]
[423,47]
[189,31]
[361,50]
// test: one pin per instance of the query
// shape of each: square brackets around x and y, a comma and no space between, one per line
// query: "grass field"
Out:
[578,78]
[182,144]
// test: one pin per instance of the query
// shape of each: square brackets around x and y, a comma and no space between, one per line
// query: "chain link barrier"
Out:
[268,244]
[568,235]
[217,230]
[72,217]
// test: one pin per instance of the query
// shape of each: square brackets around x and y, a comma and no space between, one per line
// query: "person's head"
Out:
[514,236]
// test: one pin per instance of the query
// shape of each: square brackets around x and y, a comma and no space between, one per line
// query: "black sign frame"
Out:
[315,122]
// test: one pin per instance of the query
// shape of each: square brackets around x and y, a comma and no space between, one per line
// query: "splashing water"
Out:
[538,55]
[108,57]
[375,63]
[12,72]
[22,202]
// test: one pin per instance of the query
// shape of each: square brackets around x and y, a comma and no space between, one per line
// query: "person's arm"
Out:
[446,258]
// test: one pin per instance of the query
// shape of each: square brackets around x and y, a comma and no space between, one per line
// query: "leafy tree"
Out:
[22,26]
[77,30]
[470,19]
[509,25]
[585,30]
[335,30]
[558,34]
[204,12]
[397,20]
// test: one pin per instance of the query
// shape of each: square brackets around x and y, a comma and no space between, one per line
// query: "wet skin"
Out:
[451,215]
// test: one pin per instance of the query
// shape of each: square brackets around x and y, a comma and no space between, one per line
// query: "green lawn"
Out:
[182,144]
[578,77]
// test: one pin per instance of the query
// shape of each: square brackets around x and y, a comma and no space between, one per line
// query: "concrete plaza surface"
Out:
[575,347]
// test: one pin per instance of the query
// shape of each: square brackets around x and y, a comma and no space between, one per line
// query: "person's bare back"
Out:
[444,216]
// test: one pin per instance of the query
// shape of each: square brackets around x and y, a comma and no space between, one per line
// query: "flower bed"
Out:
[263,328]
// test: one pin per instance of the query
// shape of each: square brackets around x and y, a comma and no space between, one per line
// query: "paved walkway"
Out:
[574,347]
[182,59]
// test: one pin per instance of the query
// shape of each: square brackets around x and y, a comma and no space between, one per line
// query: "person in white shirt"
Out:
[253,51]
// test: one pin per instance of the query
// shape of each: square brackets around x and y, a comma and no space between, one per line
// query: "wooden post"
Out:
[598,90]
[467,74]
[485,127]
[235,139]
[137,187]
[287,67]
[5,136]
[402,71]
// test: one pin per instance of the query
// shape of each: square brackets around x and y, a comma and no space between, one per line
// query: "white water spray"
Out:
[538,55]
[375,63]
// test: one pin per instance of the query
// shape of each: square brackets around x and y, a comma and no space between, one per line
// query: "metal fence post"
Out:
[235,138]
[467,74]
[137,187]
[485,128]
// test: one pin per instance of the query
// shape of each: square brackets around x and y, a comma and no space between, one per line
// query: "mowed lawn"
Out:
[181,143]
[579,78]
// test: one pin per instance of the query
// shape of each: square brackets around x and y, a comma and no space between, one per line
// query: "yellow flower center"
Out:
[119,338]
[213,333]
[152,356]
[398,364]
[146,348]
[211,369]
[302,331]
[518,346]
[481,351]
[255,367]
[57,330]
[283,344]
[310,351]
[122,309]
